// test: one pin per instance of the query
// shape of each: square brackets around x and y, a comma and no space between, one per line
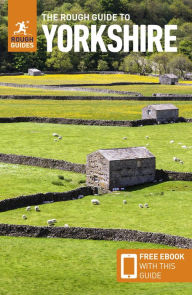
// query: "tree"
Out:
[180,10]
[92,5]
[161,62]
[136,63]
[25,60]
[39,7]
[59,61]
[180,64]
[110,6]
[102,65]
[185,47]
[82,66]
[115,65]
[3,7]
[47,5]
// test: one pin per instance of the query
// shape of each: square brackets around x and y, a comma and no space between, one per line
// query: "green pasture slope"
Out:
[17,180]
[32,139]
[62,79]
[5,90]
[62,266]
[145,90]
[148,90]
[79,79]
[169,210]
[81,109]
[67,267]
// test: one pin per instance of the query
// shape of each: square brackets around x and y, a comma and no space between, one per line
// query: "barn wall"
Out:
[146,115]
[97,171]
[131,172]
[167,80]
[164,115]
[160,115]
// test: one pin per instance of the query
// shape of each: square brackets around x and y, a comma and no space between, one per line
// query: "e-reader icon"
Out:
[128,266]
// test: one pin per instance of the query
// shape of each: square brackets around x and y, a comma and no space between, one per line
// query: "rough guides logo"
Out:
[22,26]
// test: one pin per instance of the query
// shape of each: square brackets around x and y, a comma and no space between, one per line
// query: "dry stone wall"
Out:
[122,123]
[156,97]
[42,162]
[94,234]
[38,199]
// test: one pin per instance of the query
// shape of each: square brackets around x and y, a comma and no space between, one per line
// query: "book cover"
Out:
[95,147]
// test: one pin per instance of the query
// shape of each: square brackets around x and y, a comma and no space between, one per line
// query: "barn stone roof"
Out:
[171,76]
[159,107]
[34,70]
[126,153]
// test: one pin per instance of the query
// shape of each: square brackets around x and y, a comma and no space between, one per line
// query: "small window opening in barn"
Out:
[149,112]
[139,164]
[95,178]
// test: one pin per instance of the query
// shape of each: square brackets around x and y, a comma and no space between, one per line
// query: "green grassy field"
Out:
[148,90]
[145,90]
[61,266]
[4,90]
[103,110]
[36,140]
[16,180]
[78,79]
[169,210]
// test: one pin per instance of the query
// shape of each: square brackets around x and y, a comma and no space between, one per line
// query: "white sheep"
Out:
[60,137]
[24,217]
[95,202]
[140,206]
[37,209]
[66,225]
[124,202]
[146,205]
[184,146]
[147,137]
[28,208]
[55,135]
[51,222]
[171,141]
[125,138]
[176,159]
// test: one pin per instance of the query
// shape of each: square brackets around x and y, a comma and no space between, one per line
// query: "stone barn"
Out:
[34,72]
[188,77]
[160,112]
[168,79]
[119,168]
